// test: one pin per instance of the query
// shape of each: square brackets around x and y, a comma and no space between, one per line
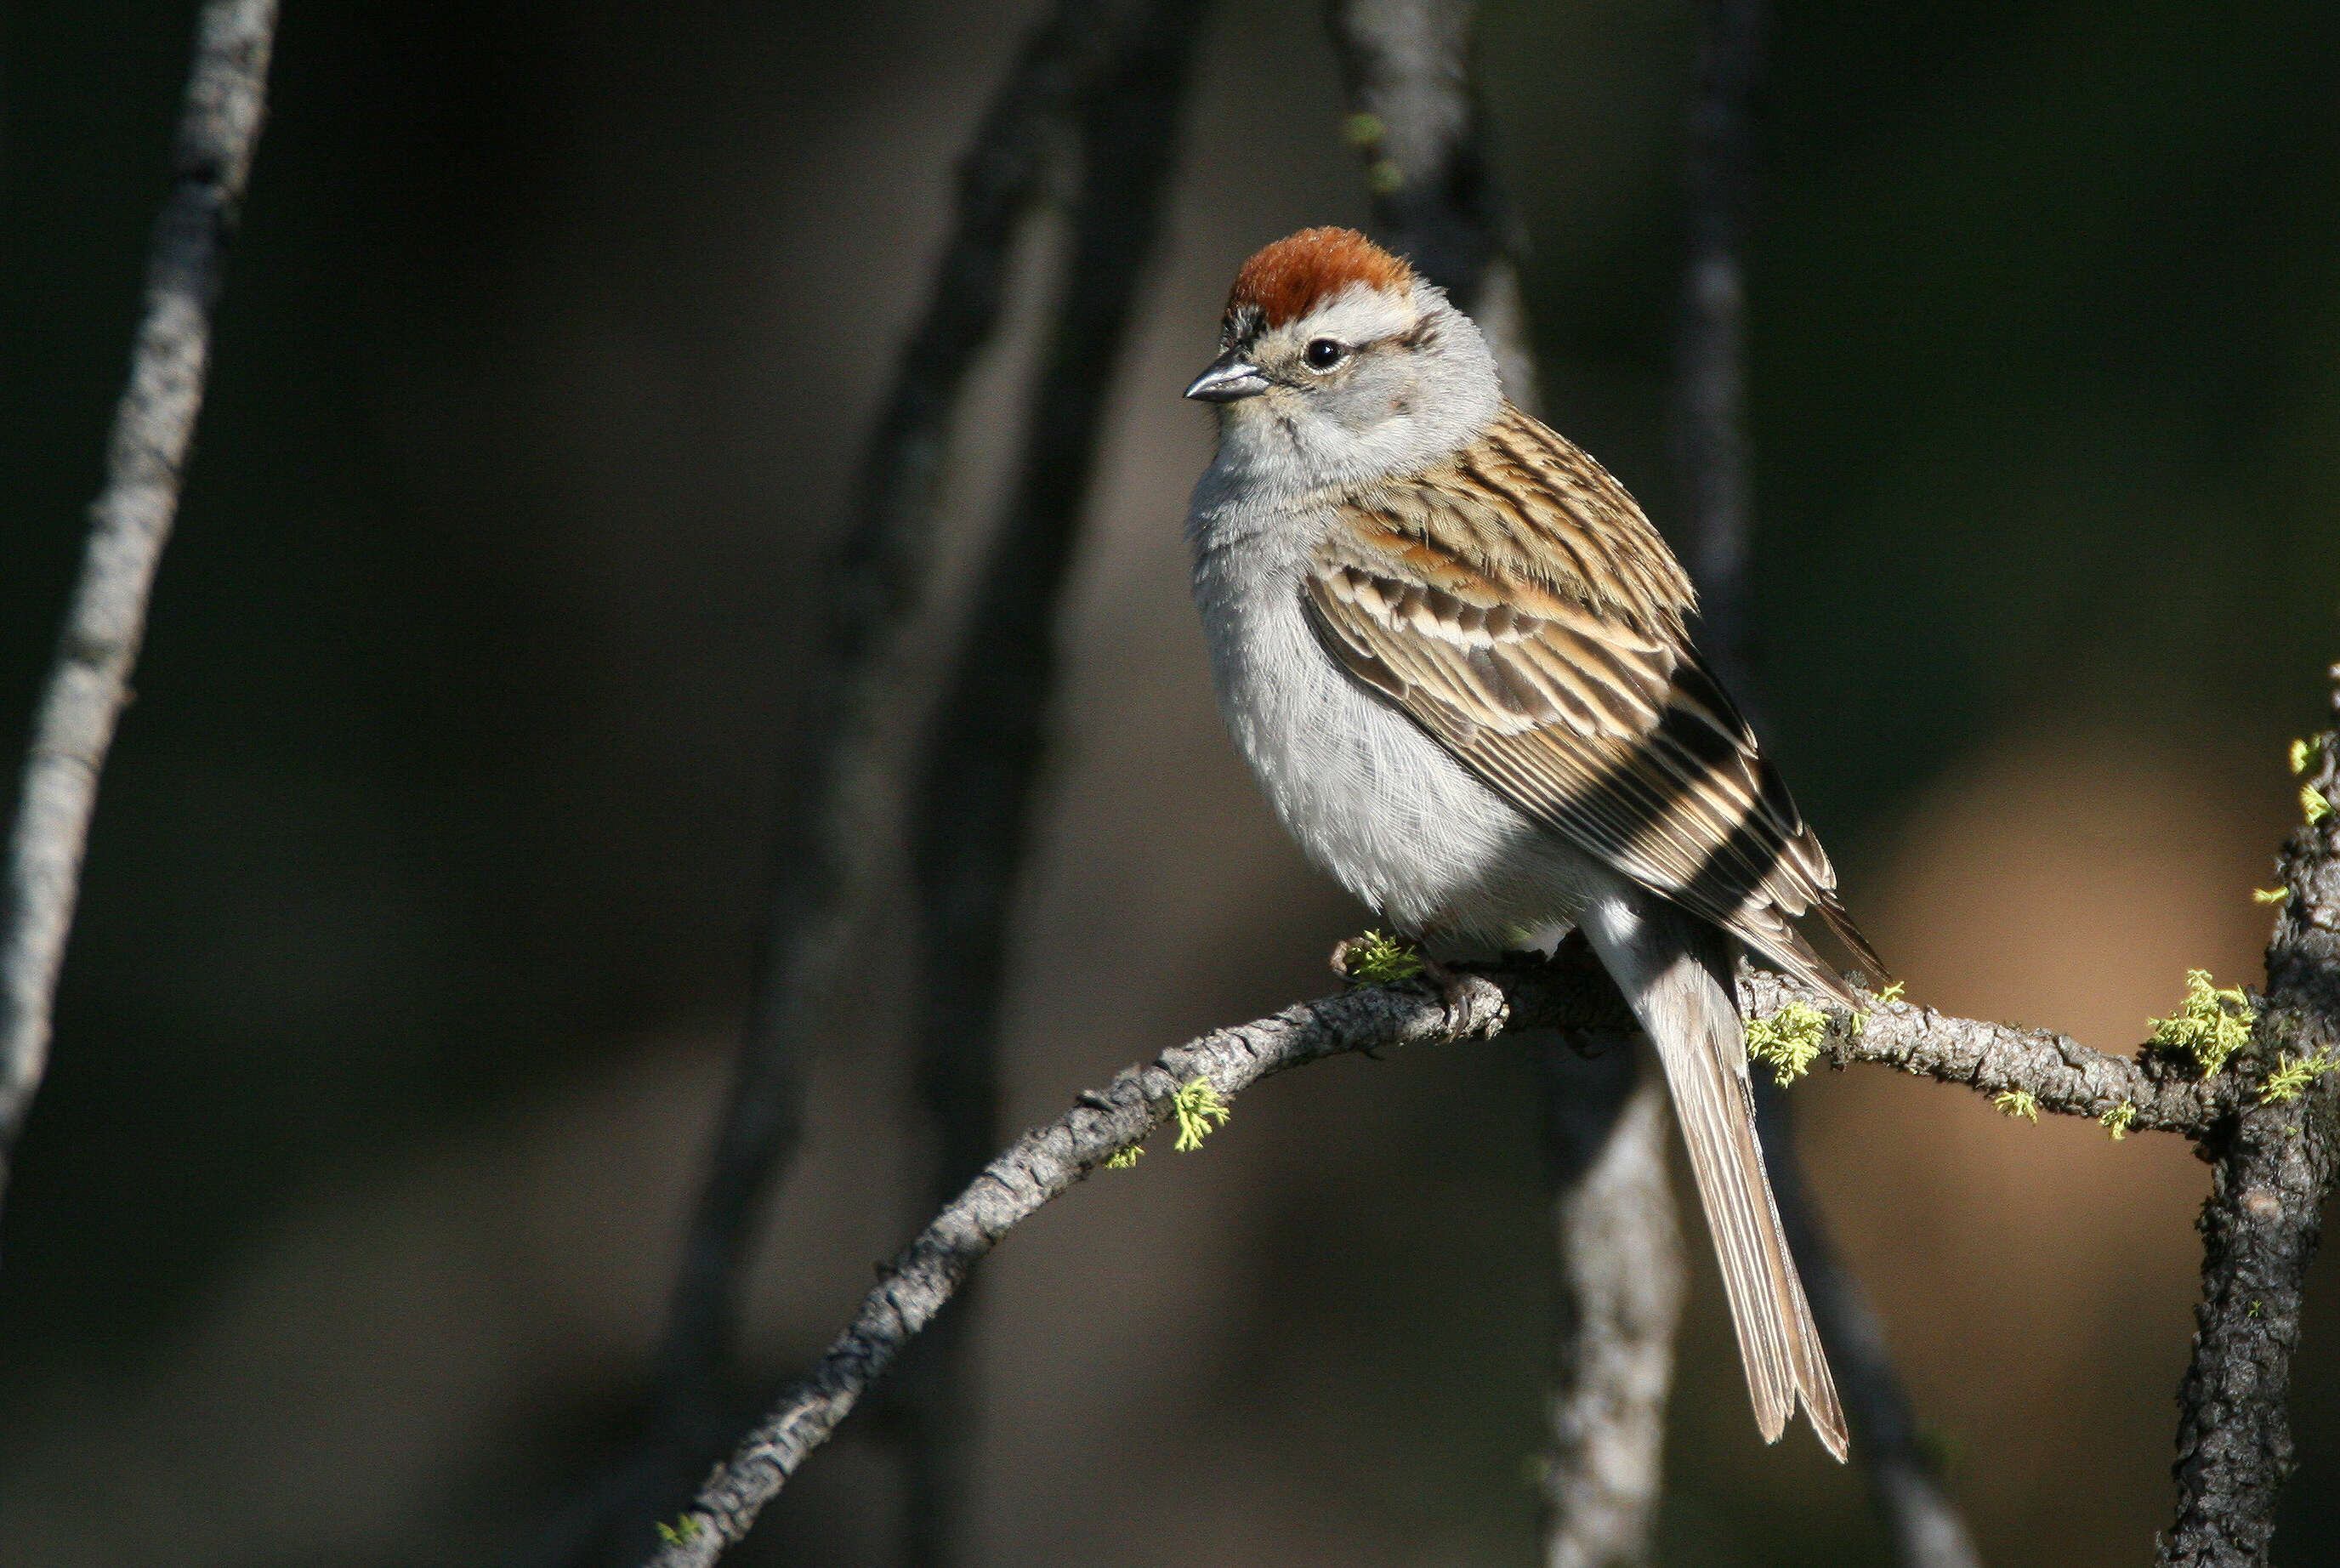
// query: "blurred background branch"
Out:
[978,784]
[1709,419]
[1415,120]
[1069,84]
[414,942]
[154,425]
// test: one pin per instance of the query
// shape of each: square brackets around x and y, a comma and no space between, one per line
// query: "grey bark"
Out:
[211,160]
[1417,126]
[1621,1286]
[1570,994]
[833,834]
[979,782]
[2274,1167]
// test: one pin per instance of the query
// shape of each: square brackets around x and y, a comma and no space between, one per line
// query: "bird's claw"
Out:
[1450,984]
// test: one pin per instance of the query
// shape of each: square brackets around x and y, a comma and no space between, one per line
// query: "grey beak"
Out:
[1230,379]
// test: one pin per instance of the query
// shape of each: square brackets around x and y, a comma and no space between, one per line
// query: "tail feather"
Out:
[1675,969]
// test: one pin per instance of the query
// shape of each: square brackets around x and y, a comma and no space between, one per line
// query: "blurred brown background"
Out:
[427,875]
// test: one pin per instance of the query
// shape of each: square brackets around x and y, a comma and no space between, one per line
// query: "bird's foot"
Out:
[1450,984]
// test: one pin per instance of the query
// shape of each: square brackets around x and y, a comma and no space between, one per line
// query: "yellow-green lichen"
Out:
[2018,1103]
[2304,755]
[2117,1120]
[1375,959]
[1198,1108]
[2292,1075]
[2210,1025]
[1787,1042]
[2269,895]
[687,1528]
[1121,1159]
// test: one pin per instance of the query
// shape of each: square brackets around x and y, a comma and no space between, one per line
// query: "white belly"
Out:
[1371,798]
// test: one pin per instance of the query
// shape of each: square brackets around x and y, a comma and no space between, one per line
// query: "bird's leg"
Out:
[1449,981]
[1375,959]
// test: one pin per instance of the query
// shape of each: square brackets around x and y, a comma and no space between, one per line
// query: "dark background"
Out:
[424,888]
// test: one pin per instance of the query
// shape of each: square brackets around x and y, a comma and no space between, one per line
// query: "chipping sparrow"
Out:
[1453,651]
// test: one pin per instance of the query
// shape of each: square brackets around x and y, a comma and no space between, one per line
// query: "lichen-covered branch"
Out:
[2274,1155]
[2059,1074]
[211,159]
[1570,994]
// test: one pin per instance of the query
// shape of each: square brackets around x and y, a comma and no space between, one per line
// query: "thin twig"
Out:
[1709,419]
[129,524]
[979,779]
[1414,121]
[1571,994]
[2275,1165]
[874,590]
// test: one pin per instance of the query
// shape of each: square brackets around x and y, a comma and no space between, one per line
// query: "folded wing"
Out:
[1557,668]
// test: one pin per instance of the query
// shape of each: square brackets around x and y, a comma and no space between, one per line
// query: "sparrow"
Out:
[1454,652]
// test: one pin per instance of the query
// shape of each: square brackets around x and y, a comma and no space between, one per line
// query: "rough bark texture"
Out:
[2060,1073]
[2274,1166]
[1570,994]
[129,524]
[979,781]
[834,832]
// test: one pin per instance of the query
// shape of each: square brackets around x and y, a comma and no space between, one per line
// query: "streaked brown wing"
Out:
[1560,673]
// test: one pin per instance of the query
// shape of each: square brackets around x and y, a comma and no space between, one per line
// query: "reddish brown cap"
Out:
[1286,280]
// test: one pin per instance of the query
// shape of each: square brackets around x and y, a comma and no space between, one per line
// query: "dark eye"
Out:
[1324,353]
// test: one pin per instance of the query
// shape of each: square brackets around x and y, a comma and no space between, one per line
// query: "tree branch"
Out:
[1414,121]
[832,837]
[129,524]
[1570,993]
[1711,440]
[979,781]
[2275,1165]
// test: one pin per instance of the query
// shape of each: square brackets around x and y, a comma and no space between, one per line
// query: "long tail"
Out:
[1676,971]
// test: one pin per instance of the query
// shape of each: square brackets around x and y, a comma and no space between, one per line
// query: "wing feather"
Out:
[1518,605]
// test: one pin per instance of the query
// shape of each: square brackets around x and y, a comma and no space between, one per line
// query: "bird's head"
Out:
[1338,365]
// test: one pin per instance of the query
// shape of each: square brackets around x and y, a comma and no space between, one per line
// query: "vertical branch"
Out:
[978,782]
[1414,120]
[1710,430]
[1416,123]
[1710,374]
[1622,1285]
[874,591]
[2274,1167]
[1925,1527]
[129,524]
